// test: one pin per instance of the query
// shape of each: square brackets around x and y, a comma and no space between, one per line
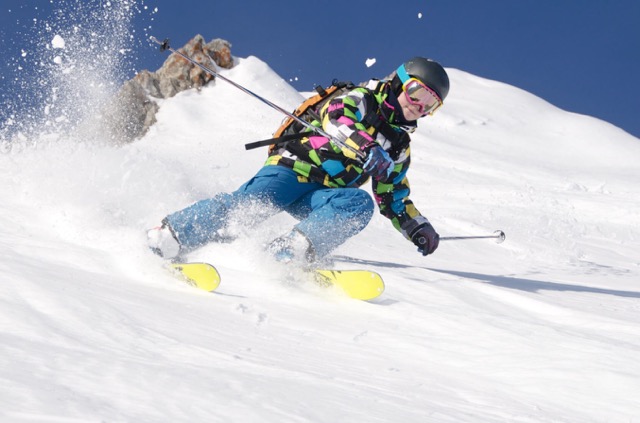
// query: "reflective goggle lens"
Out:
[422,96]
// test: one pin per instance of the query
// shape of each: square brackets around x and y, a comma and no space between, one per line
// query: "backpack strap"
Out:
[276,140]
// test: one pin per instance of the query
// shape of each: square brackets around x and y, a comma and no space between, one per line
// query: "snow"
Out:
[542,328]
[58,42]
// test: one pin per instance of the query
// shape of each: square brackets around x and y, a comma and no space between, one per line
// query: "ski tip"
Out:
[357,284]
[200,275]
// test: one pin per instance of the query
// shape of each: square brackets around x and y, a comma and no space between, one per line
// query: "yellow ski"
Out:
[200,275]
[358,284]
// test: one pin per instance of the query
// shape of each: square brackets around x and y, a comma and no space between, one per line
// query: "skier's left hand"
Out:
[379,164]
[426,239]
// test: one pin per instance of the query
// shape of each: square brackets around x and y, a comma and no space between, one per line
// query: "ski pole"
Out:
[498,235]
[164,45]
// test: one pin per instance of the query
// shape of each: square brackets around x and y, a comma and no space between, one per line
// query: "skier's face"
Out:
[410,111]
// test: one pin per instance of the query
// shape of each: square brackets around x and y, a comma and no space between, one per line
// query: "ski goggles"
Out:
[422,96]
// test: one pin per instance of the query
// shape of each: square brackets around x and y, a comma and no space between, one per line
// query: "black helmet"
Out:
[428,71]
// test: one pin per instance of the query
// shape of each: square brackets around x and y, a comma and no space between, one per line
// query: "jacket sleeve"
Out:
[342,118]
[392,197]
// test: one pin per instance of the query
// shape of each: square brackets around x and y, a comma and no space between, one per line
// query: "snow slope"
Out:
[542,328]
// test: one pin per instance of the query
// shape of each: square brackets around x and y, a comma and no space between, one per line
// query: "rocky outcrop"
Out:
[178,74]
[129,115]
[133,110]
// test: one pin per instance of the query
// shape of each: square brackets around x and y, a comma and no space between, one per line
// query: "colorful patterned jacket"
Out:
[349,118]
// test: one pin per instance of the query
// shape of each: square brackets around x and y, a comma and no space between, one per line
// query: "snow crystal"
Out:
[419,15]
[370,62]
[57,42]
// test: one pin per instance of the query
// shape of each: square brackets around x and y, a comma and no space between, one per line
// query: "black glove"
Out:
[426,239]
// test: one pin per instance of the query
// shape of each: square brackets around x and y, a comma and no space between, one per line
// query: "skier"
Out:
[317,181]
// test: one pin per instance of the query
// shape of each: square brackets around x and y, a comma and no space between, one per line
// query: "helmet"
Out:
[428,71]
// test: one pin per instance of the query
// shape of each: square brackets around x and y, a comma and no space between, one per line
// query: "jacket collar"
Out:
[389,106]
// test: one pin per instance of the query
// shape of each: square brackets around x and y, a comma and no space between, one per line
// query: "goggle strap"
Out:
[402,74]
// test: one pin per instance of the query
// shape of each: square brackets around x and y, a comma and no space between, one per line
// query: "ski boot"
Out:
[163,242]
[293,247]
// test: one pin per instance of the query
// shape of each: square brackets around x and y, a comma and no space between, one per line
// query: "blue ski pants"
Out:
[327,216]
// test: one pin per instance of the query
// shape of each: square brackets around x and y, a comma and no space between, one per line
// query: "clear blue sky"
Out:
[581,55]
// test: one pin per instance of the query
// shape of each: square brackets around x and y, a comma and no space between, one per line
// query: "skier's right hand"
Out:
[426,239]
[379,164]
